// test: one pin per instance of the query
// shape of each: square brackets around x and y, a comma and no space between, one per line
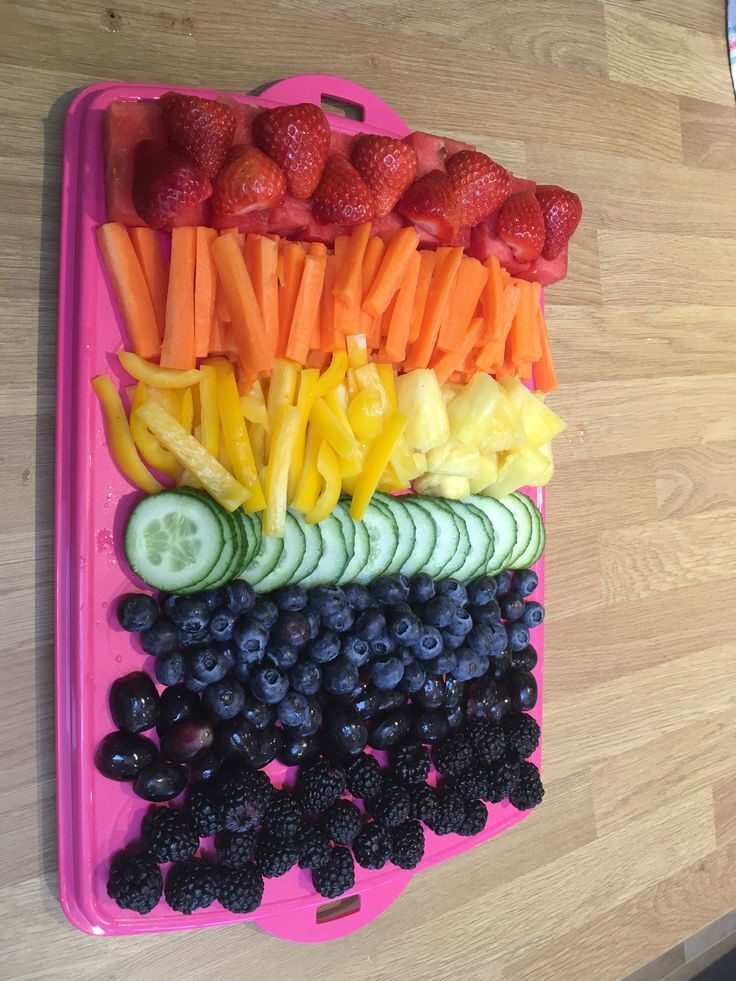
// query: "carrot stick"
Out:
[397,336]
[392,270]
[469,284]
[261,258]
[327,333]
[130,288]
[448,263]
[306,309]
[247,322]
[220,305]
[155,270]
[318,249]
[493,352]
[493,299]
[293,257]
[348,282]
[177,350]
[444,363]
[218,340]
[205,287]
[428,261]
[318,359]
[373,255]
[347,315]
[523,337]
[545,379]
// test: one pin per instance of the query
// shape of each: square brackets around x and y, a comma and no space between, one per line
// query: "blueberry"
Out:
[214,598]
[526,659]
[314,622]
[390,730]
[482,591]
[431,727]
[346,730]
[370,624]
[367,703]
[480,639]
[406,654]
[503,583]
[224,699]
[340,621]
[454,693]
[357,597]
[193,684]
[264,612]
[161,638]
[191,615]
[386,672]
[512,605]
[170,669]
[293,709]
[469,664]
[325,648]
[421,588]
[269,685]
[312,721]
[251,639]
[461,623]
[242,672]
[383,645]
[533,613]
[439,612]
[137,612]
[387,590]
[451,640]
[526,581]
[454,589]
[197,639]
[432,693]
[167,602]
[518,635]
[490,613]
[405,628]
[339,676]
[327,600]
[291,628]
[206,664]
[240,597]
[522,688]
[429,645]
[291,598]
[500,639]
[284,656]
[306,676]
[258,713]
[355,649]
[413,678]
[222,622]
[444,663]
[229,652]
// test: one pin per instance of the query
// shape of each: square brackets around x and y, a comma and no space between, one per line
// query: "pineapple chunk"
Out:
[450,390]
[454,459]
[540,423]
[437,485]
[487,474]
[471,411]
[526,466]
[420,400]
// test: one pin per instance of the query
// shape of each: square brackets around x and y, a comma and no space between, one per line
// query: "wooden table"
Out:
[630,103]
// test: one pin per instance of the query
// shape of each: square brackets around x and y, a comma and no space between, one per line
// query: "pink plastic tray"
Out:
[97,816]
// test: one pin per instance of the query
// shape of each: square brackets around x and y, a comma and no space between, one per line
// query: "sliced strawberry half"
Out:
[165,184]
[431,204]
[479,183]
[387,166]
[200,129]
[521,225]
[247,181]
[562,211]
[298,139]
[342,197]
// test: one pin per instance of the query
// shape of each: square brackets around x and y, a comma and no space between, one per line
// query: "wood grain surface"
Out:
[630,103]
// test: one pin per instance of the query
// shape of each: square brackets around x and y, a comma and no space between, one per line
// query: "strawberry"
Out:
[562,211]
[521,225]
[165,183]
[387,166]
[247,181]
[480,184]
[431,204]
[298,139]
[201,129]
[342,197]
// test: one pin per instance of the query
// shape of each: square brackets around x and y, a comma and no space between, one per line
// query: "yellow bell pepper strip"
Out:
[168,398]
[386,374]
[119,438]
[254,410]
[258,436]
[284,433]
[365,415]
[330,471]
[193,456]
[334,375]
[236,439]
[209,411]
[187,410]
[338,400]
[224,456]
[368,379]
[390,482]
[305,398]
[353,465]
[148,446]
[357,350]
[158,377]
[282,387]
[330,427]
[307,490]
[375,463]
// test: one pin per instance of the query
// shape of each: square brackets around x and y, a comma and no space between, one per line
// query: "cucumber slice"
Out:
[173,540]
[312,551]
[383,533]
[463,545]
[251,525]
[504,530]
[361,550]
[525,529]
[480,533]
[268,556]
[291,557]
[234,549]
[342,513]
[407,531]
[532,553]
[447,535]
[334,554]
[425,538]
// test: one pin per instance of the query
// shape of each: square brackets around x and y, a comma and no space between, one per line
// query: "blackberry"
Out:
[241,890]
[275,856]
[452,755]
[192,885]
[337,876]
[283,815]
[314,849]
[372,846]
[135,882]
[487,739]
[423,801]
[342,821]
[407,845]
[391,806]
[233,778]
[410,763]
[472,782]
[449,813]
[168,836]
[527,790]
[476,815]
[204,813]
[320,785]
[245,794]
[501,777]
[364,776]
[522,736]
[235,849]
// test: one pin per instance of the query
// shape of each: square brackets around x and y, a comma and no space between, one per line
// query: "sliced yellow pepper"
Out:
[338,400]
[254,410]
[148,446]
[187,410]
[386,374]
[119,438]
[284,433]
[334,375]
[331,428]
[390,482]
[170,399]
[365,415]
[259,443]
[282,387]
[152,374]
[307,490]
[368,379]
[354,464]
[209,412]
[304,401]
[236,439]
[375,463]
[330,471]
[193,456]
[224,456]
[357,350]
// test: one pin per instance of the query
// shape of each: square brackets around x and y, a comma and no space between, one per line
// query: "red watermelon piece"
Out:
[244,116]
[290,217]
[342,144]
[427,241]
[432,151]
[387,225]
[253,221]
[323,233]
[522,184]
[484,242]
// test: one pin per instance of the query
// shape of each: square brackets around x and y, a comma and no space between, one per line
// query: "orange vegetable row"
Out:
[259,297]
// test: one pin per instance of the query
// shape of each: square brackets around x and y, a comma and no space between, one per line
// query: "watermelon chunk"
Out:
[323,233]
[244,116]
[522,184]
[432,151]
[485,241]
[387,225]
[253,221]
[290,217]
[342,144]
